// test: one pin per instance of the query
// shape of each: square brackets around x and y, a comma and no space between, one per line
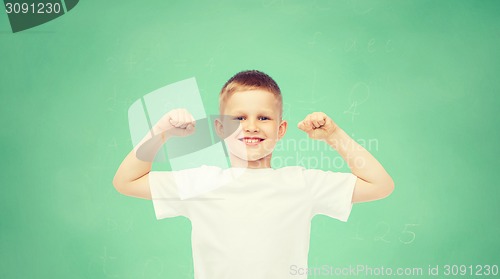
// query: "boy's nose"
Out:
[250,126]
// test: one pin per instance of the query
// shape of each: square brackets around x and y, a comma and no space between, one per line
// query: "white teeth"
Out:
[251,140]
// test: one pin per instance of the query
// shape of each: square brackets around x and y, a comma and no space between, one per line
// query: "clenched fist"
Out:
[318,126]
[177,122]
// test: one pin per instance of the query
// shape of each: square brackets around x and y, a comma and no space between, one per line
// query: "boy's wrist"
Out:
[335,138]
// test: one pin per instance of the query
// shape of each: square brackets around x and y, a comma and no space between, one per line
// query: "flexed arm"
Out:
[131,178]
[373,181]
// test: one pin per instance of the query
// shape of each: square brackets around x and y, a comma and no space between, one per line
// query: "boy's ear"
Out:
[219,128]
[282,128]
[225,126]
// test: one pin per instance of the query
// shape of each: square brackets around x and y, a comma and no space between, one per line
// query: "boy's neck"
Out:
[263,163]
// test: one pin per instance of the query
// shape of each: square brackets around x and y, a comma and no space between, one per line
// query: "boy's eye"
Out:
[243,118]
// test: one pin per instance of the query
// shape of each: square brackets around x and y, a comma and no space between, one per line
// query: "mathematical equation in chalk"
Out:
[384,232]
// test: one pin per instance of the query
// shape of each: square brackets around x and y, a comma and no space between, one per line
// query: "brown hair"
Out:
[250,80]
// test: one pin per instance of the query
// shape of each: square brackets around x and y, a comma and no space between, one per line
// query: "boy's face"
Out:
[260,127]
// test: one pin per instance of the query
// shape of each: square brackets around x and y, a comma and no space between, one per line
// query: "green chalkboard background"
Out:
[417,81]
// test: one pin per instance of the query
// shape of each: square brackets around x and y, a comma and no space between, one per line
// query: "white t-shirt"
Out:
[251,223]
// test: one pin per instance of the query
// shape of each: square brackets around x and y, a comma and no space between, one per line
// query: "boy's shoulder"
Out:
[210,169]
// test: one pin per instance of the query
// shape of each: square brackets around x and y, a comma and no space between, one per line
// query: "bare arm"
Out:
[373,181]
[132,176]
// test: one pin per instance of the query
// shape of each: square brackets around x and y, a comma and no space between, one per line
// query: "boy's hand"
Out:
[177,122]
[318,126]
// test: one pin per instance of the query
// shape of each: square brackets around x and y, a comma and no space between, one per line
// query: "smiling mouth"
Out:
[251,141]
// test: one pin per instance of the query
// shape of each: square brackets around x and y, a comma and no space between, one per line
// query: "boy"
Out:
[255,222]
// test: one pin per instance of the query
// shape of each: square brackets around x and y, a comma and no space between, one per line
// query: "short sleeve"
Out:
[165,195]
[171,190]
[331,192]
